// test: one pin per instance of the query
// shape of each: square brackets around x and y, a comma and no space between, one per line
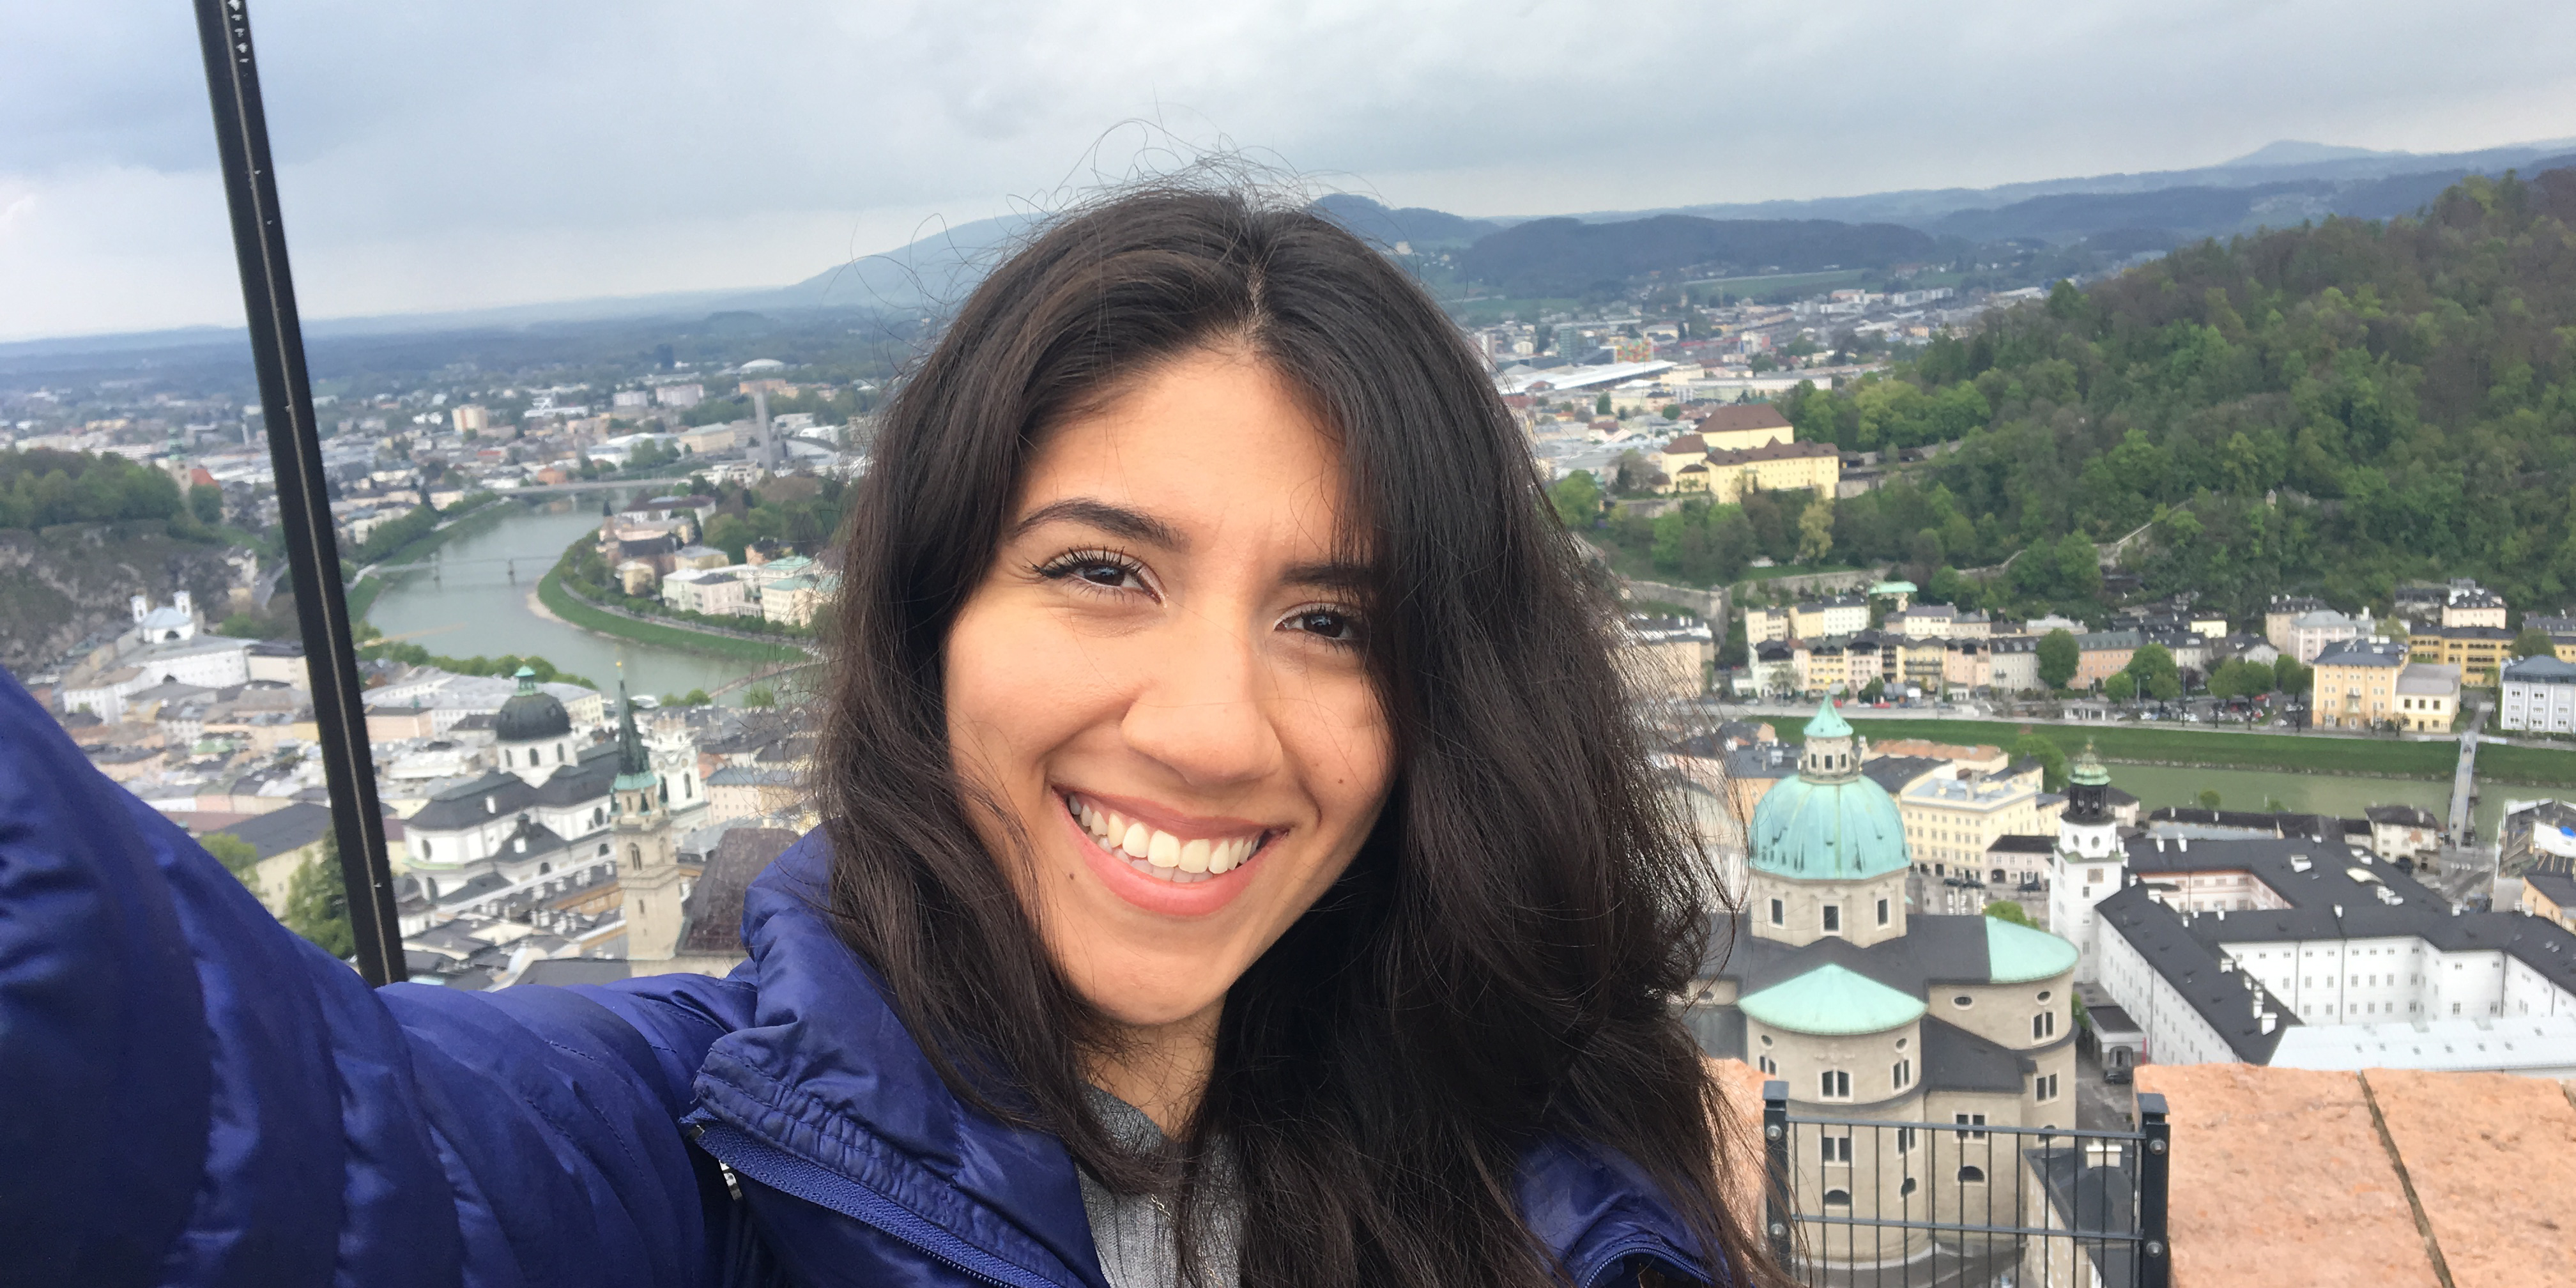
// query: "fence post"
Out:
[1775,1151]
[2155,1254]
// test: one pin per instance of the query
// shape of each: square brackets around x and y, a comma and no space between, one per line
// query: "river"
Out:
[2344,796]
[472,605]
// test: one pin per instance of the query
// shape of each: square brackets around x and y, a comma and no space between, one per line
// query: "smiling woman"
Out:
[1239,868]
[1223,725]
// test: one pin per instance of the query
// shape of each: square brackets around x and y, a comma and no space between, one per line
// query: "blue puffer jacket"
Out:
[191,1095]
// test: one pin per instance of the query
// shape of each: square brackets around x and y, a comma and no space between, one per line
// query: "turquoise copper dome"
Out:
[1829,823]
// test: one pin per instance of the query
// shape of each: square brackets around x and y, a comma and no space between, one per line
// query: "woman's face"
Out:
[1160,680]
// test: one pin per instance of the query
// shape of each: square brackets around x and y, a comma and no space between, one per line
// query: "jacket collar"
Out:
[825,1072]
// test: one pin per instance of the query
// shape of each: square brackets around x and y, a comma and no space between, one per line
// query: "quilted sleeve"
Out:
[196,1096]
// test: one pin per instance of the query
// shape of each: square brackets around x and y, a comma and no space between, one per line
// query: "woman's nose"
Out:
[1203,710]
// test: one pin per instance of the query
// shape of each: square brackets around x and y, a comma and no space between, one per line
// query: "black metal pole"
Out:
[2155,1249]
[1778,1200]
[303,506]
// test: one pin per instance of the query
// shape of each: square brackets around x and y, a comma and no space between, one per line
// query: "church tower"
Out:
[648,869]
[1828,857]
[2090,864]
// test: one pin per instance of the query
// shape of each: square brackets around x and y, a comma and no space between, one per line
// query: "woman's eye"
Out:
[1329,623]
[1101,574]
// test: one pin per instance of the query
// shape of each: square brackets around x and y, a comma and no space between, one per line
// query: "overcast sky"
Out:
[482,152]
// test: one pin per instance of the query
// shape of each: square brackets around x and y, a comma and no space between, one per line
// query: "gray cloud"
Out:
[482,151]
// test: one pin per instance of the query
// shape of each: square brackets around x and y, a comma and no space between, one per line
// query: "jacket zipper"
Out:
[1618,1254]
[788,1174]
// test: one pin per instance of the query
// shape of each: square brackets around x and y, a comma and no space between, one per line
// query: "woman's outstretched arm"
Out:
[191,1094]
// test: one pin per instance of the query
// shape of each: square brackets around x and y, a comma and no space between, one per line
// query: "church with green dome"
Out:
[1827,980]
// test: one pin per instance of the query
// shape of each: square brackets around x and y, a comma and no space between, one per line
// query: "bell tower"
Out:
[648,869]
[2090,864]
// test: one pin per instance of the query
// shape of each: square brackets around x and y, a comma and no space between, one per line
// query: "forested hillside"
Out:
[2325,409]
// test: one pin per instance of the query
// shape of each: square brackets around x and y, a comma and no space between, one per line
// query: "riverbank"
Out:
[560,602]
[369,583]
[2201,749]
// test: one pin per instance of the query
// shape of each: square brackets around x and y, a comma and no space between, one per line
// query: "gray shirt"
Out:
[1134,1232]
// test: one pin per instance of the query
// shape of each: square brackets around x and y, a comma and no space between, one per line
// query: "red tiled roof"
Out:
[1738,417]
[1772,452]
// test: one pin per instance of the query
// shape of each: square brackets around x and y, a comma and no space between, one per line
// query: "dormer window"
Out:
[1833,918]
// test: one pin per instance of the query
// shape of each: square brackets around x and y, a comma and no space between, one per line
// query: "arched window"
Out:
[1838,1198]
[1972,1175]
[634,856]
[1907,1187]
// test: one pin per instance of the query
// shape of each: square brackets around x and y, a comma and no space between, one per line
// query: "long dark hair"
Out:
[1500,962]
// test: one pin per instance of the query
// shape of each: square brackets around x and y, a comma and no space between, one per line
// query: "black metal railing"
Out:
[1865,1202]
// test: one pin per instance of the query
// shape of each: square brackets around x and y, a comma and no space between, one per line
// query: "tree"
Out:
[2120,686]
[317,903]
[2238,678]
[1816,532]
[1601,405]
[206,501]
[2058,657]
[1673,411]
[2289,675]
[237,855]
[2209,798]
[1873,691]
[2152,668]
[2534,643]
[2051,758]
[1577,497]
[2007,910]
[760,696]
[1633,473]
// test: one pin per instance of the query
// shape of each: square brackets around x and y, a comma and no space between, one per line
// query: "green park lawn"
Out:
[2388,758]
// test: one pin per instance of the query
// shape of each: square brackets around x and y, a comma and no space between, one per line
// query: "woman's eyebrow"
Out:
[1340,575]
[1115,520]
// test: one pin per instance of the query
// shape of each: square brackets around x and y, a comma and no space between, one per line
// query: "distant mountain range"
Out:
[2277,185]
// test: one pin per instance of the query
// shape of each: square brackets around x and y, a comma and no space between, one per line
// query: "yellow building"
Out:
[2355,686]
[1954,815]
[2478,651]
[1773,467]
[1742,448]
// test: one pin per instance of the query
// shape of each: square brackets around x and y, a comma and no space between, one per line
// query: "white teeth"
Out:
[1158,853]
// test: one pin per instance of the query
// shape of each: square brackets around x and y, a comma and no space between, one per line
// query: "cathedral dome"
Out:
[1829,823]
[531,714]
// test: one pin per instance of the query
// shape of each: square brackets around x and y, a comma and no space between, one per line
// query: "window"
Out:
[1972,1175]
[2046,1086]
[1907,1187]
[1882,912]
[1837,1151]
[1779,912]
[2043,1026]
[1835,1084]
[1972,1120]
[1833,918]
[1903,1074]
[1766,1065]
[1838,1198]
[1905,1140]
[1963,1001]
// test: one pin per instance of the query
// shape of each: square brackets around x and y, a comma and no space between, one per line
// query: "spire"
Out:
[2088,768]
[1827,723]
[634,766]
[527,680]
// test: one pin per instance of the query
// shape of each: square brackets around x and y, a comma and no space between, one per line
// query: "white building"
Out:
[2539,696]
[2220,947]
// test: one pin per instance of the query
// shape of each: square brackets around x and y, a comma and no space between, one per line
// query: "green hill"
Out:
[2324,409]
